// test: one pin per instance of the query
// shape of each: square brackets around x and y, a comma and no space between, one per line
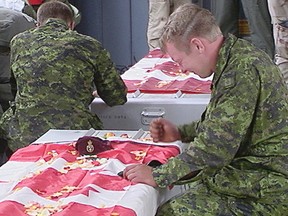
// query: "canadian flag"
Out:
[53,179]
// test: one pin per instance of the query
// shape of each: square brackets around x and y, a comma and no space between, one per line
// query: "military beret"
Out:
[89,145]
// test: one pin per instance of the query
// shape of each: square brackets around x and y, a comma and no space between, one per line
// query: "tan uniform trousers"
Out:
[159,11]
[279,15]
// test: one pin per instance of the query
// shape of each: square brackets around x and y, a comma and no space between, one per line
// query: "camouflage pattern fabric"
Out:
[202,201]
[240,146]
[56,70]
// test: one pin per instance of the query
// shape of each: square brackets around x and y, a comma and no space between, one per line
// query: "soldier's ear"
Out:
[198,44]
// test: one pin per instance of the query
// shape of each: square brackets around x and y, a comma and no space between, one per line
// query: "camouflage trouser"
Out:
[279,14]
[159,11]
[199,200]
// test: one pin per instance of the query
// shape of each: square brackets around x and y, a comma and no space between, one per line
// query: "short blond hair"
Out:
[54,9]
[188,21]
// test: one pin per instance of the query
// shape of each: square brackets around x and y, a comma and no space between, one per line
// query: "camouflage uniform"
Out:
[240,144]
[159,12]
[55,69]
[279,14]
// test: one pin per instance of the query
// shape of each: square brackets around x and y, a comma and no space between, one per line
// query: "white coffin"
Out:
[140,109]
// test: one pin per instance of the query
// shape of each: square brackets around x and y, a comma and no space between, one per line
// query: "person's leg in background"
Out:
[226,13]
[279,14]
[159,11]
[257,14]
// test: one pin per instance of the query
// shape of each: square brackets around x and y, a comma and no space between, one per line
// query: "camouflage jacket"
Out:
[56,70]
[240,145]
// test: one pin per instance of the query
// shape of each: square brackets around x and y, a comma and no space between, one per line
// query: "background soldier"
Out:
[12,22]
[56,70]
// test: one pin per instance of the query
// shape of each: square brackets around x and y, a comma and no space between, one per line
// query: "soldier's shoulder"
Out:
[86,39]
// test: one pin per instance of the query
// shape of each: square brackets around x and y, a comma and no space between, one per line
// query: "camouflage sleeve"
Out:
[227,120]
[188,132]
[110,86]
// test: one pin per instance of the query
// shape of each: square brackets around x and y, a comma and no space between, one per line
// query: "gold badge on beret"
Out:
[89,145]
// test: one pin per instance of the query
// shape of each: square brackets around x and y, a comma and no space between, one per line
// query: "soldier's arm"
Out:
[188,132]
[220,135]
[110,86]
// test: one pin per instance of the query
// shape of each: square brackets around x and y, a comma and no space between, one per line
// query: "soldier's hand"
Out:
[139,173]
[163,130]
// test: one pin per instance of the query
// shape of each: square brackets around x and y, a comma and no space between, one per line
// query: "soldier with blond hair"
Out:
[236,158]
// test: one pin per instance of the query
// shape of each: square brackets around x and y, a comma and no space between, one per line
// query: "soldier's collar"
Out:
[223,56]
[56,22]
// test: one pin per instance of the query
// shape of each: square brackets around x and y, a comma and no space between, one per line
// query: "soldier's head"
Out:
[192,38]
[188,21]
[57,10]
